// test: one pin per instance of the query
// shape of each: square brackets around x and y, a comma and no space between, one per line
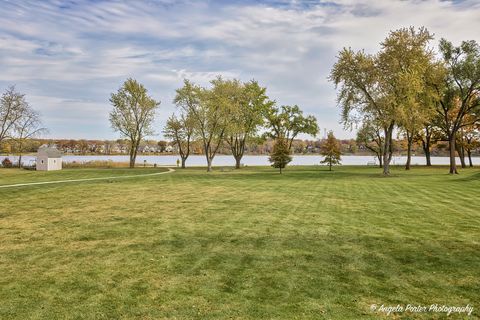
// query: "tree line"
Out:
[227,112]
[19,122]
[424,94]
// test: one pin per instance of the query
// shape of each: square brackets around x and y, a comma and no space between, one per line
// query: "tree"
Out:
[363,94]
[352,146]
[370,135]
[280,155]
[249,105]
[385,85]
[472,141]
[218,101]
[27,126]
[431,130]
[133,114]
[460,146]
[459,94]
[418,112]
[331,151]
[287,122]
[6,147]
[82,146]
[427,137]
[467,139]
[108,146]
[180,130]
[413,122]
[12,107]
[209,109]
[162,144]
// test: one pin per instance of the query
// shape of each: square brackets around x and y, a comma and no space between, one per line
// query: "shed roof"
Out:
[50,152]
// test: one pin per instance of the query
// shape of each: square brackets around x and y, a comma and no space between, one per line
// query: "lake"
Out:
[249,160]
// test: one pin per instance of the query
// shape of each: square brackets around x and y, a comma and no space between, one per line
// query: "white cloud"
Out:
[80,52]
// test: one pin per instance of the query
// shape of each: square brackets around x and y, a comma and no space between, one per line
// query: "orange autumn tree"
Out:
[331,151]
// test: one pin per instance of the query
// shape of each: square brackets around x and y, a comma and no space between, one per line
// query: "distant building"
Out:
[49,158]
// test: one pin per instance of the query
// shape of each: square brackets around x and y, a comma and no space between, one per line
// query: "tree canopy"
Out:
[247,117]
[280,155]
[133,114]
[288,122]
[331,151]
[387,87]
[181,131]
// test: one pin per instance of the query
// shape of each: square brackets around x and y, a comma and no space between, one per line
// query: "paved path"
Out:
[86,179]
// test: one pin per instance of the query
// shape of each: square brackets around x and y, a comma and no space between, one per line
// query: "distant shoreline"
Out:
[219,154]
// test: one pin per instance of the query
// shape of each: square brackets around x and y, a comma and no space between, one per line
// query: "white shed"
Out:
[49,158]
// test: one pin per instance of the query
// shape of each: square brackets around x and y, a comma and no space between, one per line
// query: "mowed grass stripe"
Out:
[243,244]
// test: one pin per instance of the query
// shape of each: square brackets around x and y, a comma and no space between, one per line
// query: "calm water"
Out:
[223,160]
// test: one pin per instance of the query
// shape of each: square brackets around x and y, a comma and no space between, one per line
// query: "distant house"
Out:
[49,158]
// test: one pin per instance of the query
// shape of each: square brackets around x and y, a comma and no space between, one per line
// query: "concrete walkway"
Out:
[86,179]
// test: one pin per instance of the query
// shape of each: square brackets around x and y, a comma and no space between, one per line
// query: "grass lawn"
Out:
[238,244]
[14,176]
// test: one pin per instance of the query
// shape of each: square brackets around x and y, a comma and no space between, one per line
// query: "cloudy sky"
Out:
[68,56]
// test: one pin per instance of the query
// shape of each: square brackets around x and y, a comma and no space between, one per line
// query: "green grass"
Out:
[242,244]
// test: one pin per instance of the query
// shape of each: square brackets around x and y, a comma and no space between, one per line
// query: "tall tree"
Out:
[431,131]
[12,107]
[380,86]
[180,130]
[418,110]
[427,136]
[133,114]
[460,146]
[280,155]
[249,105]
[288,122]
[472,141]
[331,151]
[460,94]
[363,93]
[27,127]
[209,109]
[370,135]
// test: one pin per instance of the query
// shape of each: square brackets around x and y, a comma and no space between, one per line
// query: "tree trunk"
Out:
[133,155]
[469,154]
[426,146]
[453,166]
[209,164]
[237,146]
[428,157]
[330,165]
[409,158]
[20,160]
[386,164]
[461,154]
[380,161]
[132,161]
[280,169]
[409,153]
[183,162]
[238,160]
[426,150]
[387,152]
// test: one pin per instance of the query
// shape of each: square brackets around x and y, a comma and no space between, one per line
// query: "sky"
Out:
[69,56]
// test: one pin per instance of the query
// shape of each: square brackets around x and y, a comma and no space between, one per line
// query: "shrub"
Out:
[6,163]
[280,155]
